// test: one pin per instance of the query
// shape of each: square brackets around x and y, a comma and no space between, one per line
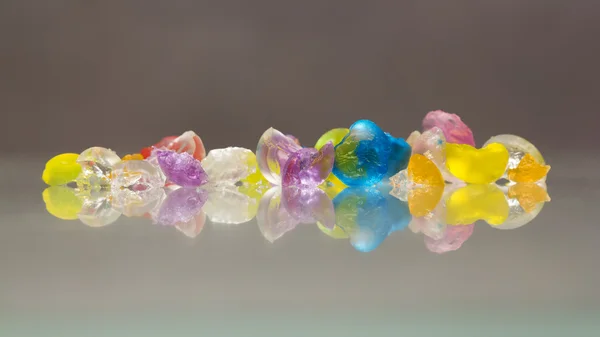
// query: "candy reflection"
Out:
[282,209]
[62,202]
[97,210]
[272,218]
[180,206]
[368,215]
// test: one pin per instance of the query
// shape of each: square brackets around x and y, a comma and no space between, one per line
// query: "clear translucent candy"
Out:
[228,166]
[136,176]
[136,187]
[401,185]
[517,148]
[96,166]
[272,152]
[137,204]
[97,209]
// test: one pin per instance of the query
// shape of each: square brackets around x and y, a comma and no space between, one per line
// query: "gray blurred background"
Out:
[123,74]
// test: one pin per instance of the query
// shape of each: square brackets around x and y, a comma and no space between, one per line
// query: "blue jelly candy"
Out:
[366,155]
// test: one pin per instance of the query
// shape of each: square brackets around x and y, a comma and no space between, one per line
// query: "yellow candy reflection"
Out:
[477,166]
[477,202]
[335,233]
[528,170]
[62,202]
[61,169]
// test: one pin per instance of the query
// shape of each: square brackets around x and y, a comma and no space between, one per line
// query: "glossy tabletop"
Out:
[133,277]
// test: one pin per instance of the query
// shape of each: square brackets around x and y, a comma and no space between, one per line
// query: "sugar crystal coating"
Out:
[454,129]
[308,167]
[226,167]
[181,168]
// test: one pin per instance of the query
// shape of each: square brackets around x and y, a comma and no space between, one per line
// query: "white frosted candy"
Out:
[226,167]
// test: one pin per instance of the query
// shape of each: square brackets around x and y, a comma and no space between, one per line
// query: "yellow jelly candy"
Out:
[334,136]
[332,185]
[477,202]
[62,202]
[430,185]
[529,195]
[61,169]
[135,156]
[528,170]
[477,166]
